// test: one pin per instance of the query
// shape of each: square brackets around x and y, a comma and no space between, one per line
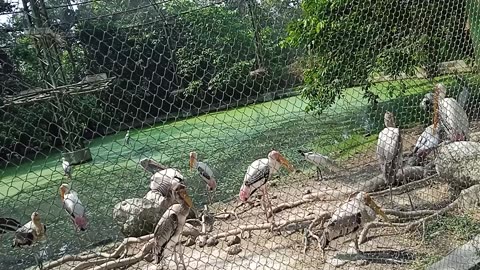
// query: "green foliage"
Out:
[348,41]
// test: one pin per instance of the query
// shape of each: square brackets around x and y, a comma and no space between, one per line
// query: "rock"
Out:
[308,191]
[190,242]
[191,231]
[458,164]
[202,240]
[211,242]
[139,216]
[233,240]
[234,250]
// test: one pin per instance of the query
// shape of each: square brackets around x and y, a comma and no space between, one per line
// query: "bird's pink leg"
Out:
[267,201]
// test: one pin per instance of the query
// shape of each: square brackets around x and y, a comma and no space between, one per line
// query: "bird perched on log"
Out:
[389,150]
[205,173]
[259,172]
[127,138]
[163,181]
[67,168]
[9,225]
[151,165]
[453,118]
[350,218]
[74,207]
[320,161]
[31,232]
[169,228]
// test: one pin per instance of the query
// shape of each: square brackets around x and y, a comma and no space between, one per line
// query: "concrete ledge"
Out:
[465,257]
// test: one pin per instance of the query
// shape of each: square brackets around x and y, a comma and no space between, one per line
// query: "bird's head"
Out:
[389,119]
[193,158]
[372,204]
[181,195]
[64,188]
[244,193]
[35,217]
[275,155]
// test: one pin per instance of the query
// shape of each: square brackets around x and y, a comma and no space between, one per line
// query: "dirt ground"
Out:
[267,250]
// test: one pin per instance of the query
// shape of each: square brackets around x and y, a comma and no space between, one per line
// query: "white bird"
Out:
[169,228]
[74,207]
[205,173]
[389,150]
[320,161]
[259,172]
[67,168]
[163,181]
[453,118]
[127,137]
[32,231]
[350,218]
[427,142]
[151,165]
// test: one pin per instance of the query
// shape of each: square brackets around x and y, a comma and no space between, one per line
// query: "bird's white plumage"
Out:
[428,140]
[389,144]
[73,205]
[259,171]
[320,160]
[67,169]
[203,168]
[453,118]
[162,181]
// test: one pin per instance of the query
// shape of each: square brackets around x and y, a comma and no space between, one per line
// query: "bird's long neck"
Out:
[273,165]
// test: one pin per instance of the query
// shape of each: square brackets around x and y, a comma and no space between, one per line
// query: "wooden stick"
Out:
[69,258]
[125,262]
[405,188]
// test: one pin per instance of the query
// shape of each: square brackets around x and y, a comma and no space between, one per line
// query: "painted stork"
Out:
[151,165]
[350,218]
[127,137]
[169,228]
[427,142]
[453,118]
[9,225]
[163,181]
[74,207]
[205,173]
[389,150]
[31,232]
[67,168]
[259,172]
[320,161]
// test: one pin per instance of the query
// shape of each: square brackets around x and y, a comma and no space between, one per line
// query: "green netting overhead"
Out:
[238,134]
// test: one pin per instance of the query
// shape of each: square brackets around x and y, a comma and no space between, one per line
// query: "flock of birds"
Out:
[450,123]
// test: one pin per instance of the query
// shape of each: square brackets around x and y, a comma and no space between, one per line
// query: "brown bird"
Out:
[31,232]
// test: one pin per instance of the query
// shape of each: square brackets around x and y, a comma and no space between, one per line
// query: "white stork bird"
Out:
[127,137]
[350,218]
[259,172]
[427,142]
[67,168]
[205,173]
[389,150]
[32,231]
[74,207]
[319,161]
[453,118]
[169,228]
[163,181]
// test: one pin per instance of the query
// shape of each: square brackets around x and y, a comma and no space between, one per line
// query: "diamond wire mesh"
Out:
[223,78]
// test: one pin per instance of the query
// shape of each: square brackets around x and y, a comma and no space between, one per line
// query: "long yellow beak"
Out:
[187,199]
[376,208]
[192,161]
[285,163]
[62,193]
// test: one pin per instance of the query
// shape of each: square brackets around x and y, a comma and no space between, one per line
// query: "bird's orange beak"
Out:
[285,163]
[186,198]
[192,161]
[369,201]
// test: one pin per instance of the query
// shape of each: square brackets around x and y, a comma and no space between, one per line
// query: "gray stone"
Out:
[463,258]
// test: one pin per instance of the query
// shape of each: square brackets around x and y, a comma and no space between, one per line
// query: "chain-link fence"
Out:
[337,133]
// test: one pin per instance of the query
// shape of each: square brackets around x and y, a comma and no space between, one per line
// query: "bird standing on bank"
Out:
[205,173]
[67,168]
[169,228]
[127,137]
[74,207]
[453,118]
[320,161]
[31,232]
